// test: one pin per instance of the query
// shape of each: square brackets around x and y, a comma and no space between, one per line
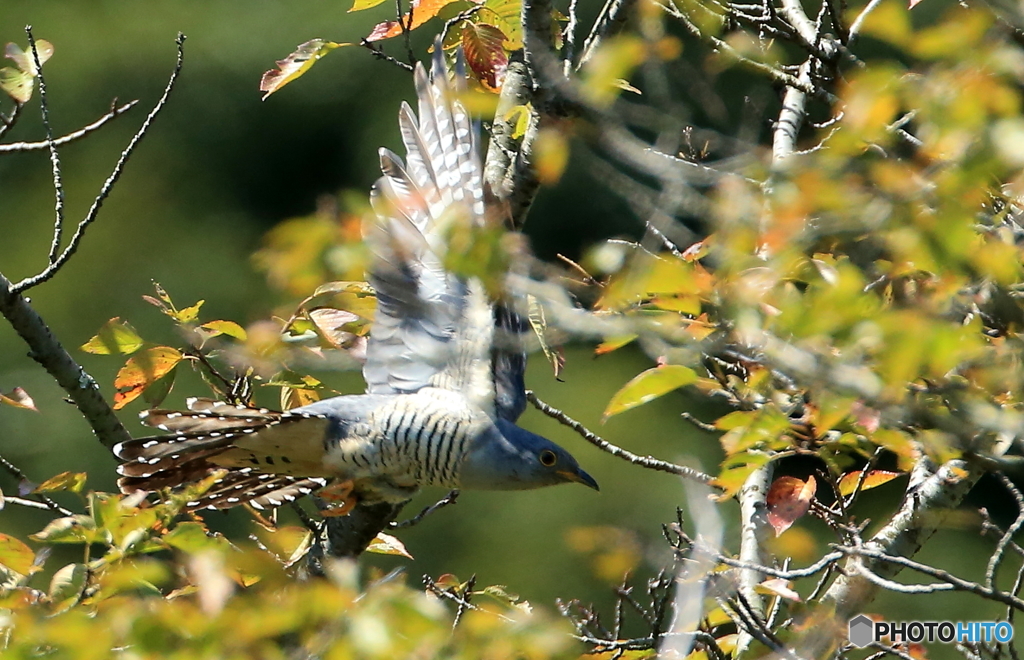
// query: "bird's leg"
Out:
[338,492]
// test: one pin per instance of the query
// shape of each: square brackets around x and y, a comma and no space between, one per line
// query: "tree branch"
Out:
[930,496]
[48,352]
[70,137]
[56,264]
[754,521]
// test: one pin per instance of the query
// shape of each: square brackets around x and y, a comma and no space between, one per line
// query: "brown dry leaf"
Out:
[788,499]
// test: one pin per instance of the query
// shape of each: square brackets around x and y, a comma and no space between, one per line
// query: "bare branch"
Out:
[930,496]
[648,462]
[1011,531]
[612,17]
[114,111]
[8,122]
[754,521]
[43,502]
[450,498]
[48,352]
[108,185]
[949,582]
[58,185]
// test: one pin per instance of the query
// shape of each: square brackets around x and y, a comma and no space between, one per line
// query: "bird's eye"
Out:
[548,458]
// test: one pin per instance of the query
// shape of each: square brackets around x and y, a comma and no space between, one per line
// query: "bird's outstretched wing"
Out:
[432,328]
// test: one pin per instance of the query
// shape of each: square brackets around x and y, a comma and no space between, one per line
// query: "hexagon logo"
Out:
[862,631]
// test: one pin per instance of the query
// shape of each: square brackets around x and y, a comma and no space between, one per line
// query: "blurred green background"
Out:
[217,170]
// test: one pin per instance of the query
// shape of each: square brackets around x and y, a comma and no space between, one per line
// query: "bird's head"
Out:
[506,457]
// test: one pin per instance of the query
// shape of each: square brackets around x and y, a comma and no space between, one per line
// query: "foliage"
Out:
[153,586]
[856,306]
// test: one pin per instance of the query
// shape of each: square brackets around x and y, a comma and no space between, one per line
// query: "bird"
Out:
[443,368]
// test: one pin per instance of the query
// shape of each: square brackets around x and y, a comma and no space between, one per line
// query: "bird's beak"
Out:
[580,477]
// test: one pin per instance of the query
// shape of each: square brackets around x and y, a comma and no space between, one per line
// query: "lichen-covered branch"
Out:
[45,349]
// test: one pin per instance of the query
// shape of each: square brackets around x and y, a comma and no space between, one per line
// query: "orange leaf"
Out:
[142,371]
[422,11]
[788,499]
[849,482]
[484,46]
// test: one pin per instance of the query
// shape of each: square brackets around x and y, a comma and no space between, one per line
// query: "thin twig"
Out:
[108,185]
[44,501]
[703,426]
[10,120]
[58,184]
[648,462]
[1011,531]
[381,55]
[70,137]
[949,581]
[858,23]
[450,498]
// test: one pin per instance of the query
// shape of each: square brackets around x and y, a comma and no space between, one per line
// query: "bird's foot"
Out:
[342,499]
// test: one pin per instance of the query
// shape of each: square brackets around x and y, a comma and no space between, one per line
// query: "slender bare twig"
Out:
[450,498]
[108,185]
[114,111]
[381,55]
[648,462]
[949,582]
[8,121]
[1011,531]
[58,184]
[569,37]
[613,15]
[44,501]
[858,22]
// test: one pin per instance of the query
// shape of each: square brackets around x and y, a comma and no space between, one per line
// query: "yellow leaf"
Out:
[116,336]
[648,386]
[849,482]
[229,328]
[295,65]
[17,556]
[19,398]
[385,544]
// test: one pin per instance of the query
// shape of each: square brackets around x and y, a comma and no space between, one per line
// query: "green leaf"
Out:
[65,481]
[194,538]
[17,556]
[17,84]
[385,544]
[229,328]
[648,386]
[67,586]
[116,336]
[506,15]
[295,65]
[72,529]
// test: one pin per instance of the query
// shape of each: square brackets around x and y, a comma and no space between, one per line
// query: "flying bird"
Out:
[444,383]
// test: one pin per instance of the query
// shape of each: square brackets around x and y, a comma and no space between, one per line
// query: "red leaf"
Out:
[422,11]
[788,499]
[484,46]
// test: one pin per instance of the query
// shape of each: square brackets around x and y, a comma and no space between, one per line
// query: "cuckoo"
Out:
[444,383]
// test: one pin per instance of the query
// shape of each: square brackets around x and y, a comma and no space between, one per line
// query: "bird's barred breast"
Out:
[415,439]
